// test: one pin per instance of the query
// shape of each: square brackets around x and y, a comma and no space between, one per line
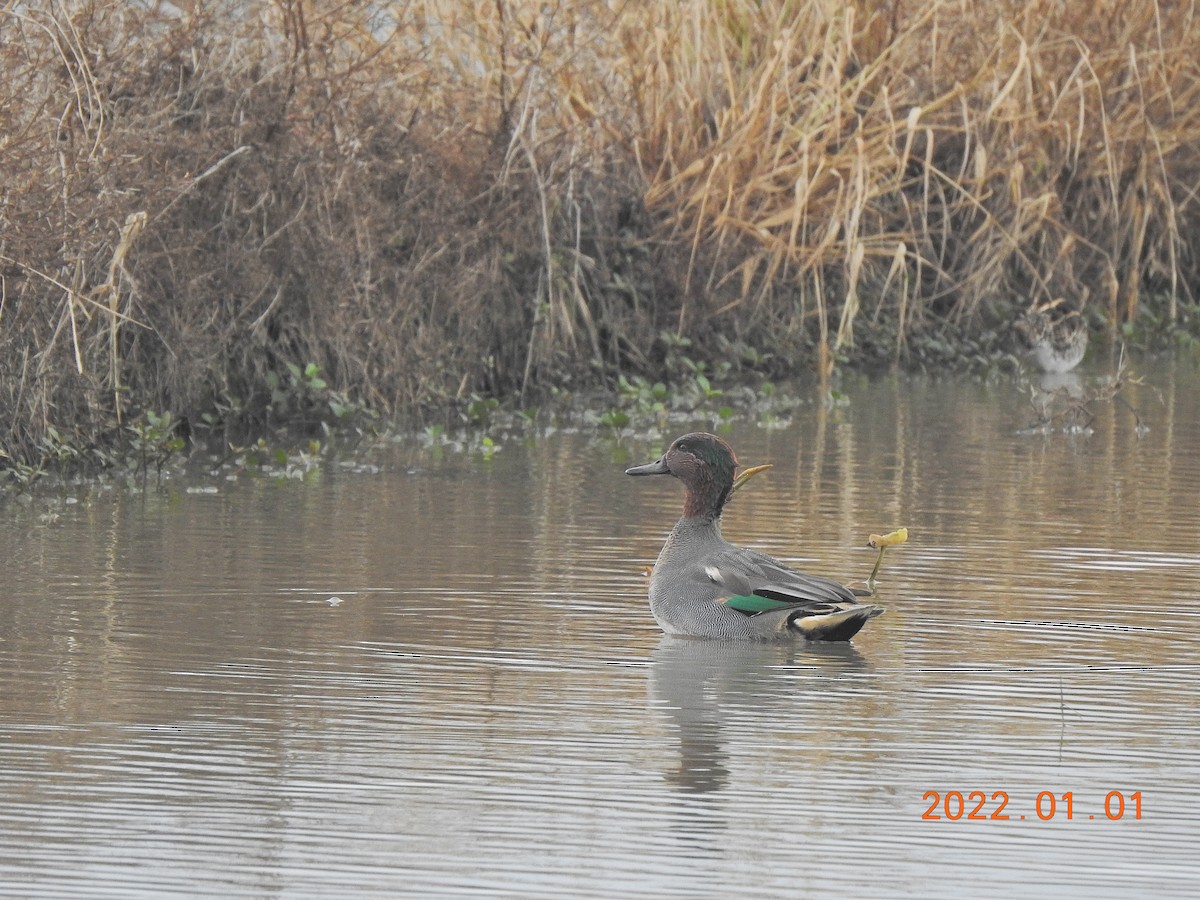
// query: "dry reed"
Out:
[448,197]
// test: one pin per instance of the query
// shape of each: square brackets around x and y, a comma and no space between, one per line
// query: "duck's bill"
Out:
[658,467]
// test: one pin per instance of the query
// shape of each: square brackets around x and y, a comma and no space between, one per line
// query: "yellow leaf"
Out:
[746,475]
[878,541]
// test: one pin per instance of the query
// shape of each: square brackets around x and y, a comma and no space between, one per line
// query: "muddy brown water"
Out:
[442,677]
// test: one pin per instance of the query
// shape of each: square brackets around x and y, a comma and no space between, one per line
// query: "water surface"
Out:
[443,676]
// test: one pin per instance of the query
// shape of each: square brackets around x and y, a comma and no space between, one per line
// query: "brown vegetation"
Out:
[458,196]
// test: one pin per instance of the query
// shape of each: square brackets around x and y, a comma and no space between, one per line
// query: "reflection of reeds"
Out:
[491,197]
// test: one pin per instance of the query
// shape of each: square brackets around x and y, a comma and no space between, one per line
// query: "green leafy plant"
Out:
[479,410]
[20,474]
[156,438]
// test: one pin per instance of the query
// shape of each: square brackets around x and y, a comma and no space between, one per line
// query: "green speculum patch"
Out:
[751,604]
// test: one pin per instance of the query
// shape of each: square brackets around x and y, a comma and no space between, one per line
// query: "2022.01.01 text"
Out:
[977,806]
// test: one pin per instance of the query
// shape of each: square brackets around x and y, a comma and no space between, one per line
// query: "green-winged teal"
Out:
[1058,337]
[704,586]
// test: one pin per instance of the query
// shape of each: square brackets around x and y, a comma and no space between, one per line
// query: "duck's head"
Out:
[705,464]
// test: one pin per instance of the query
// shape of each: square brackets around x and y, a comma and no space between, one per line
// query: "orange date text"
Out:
[980,806]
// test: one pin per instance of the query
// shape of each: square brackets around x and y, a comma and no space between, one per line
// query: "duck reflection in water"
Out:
[696,683]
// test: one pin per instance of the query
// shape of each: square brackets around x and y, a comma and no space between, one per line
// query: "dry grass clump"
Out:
[920,164]
[440,198]
[199,194]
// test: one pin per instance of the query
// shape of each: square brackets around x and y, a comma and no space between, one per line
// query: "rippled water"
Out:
[444,677]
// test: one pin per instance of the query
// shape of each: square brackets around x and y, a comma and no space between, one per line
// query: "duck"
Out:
[1058,339]
[703,586]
